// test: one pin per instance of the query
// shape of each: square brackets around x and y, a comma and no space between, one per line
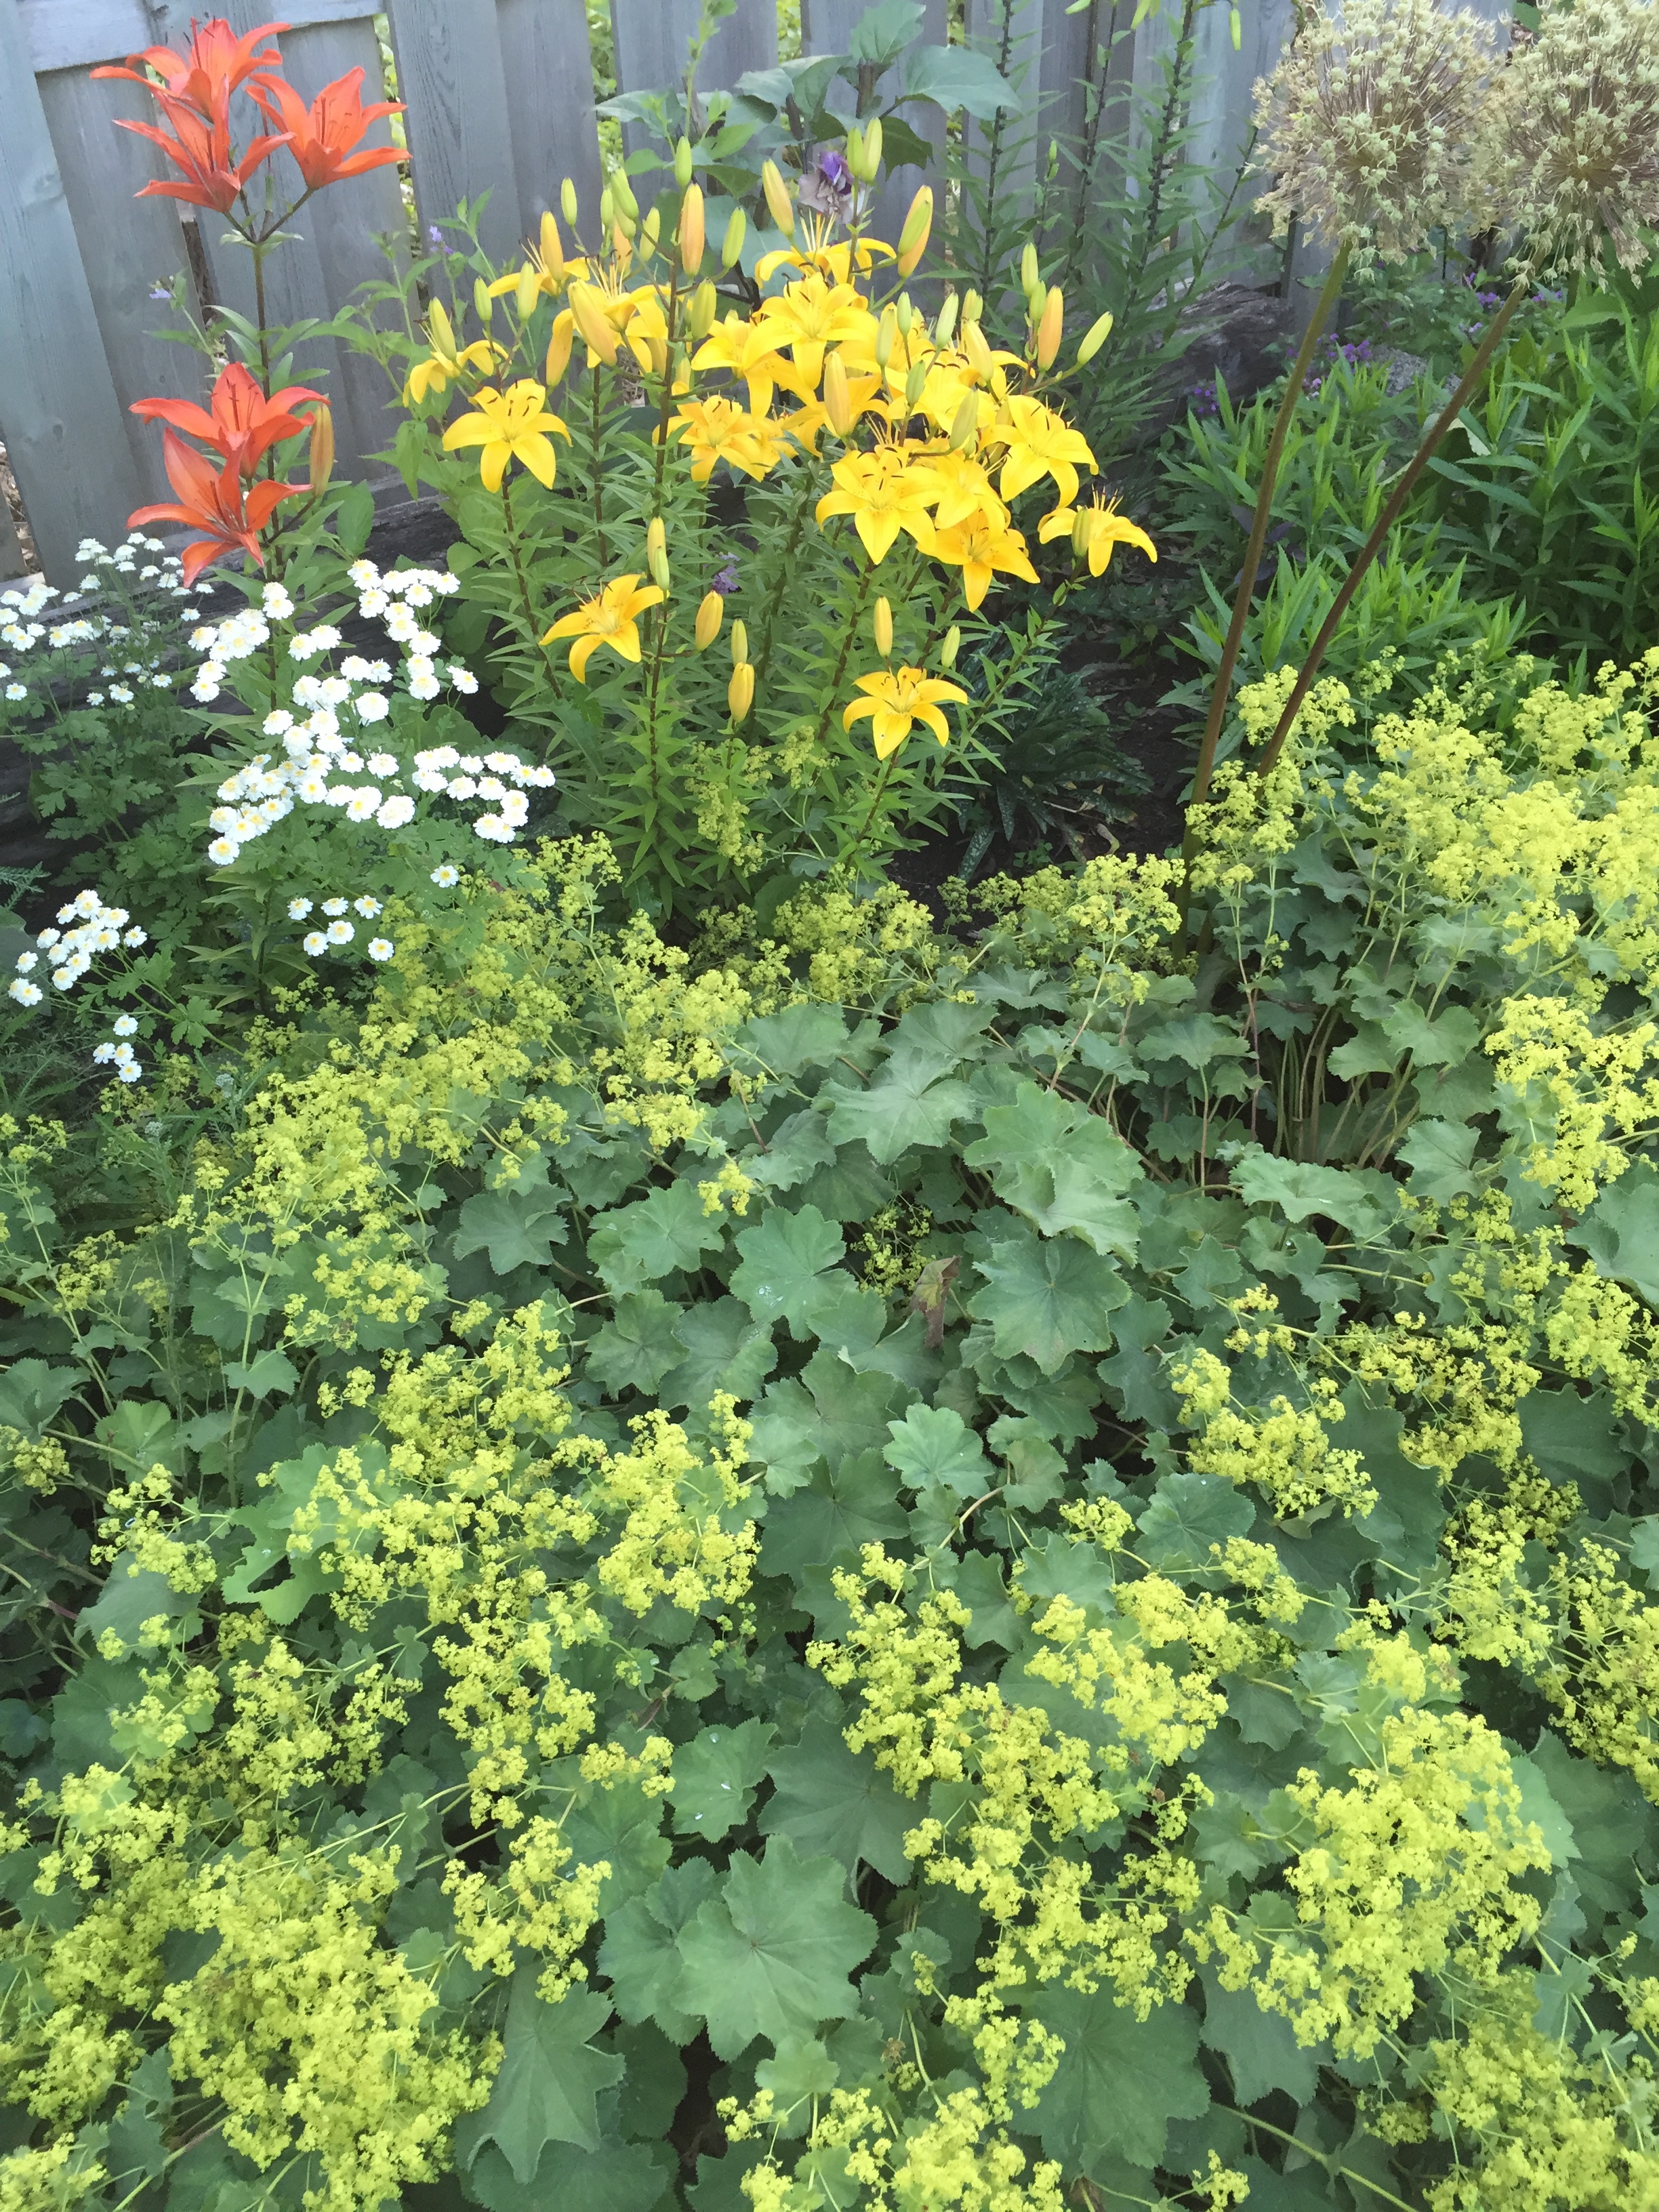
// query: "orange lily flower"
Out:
[238,422]
[321,137]
[214,501]
[202,149]
[216,62]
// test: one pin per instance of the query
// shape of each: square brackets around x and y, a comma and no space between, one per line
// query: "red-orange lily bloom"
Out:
[215,502]
[321,137]
[238,422]
[215,64]
[202,149]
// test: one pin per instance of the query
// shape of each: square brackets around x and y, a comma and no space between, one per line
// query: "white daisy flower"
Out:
[445,876]
[223,851]
[396,813]
[298,908]
[125,1025]
[315,942]
[341,932]
[379,948]
[25,993]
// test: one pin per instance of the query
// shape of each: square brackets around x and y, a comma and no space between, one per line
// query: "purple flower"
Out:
[832,168]
[725,578]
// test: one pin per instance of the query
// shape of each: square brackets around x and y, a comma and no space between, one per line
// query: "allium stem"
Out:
[1368,552]
[1264,501]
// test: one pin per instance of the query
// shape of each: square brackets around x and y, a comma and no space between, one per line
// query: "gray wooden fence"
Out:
[499,96]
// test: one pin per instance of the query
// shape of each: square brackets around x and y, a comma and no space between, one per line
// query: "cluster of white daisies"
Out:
[21,632]
[339,929]
[321,758]
[88,929]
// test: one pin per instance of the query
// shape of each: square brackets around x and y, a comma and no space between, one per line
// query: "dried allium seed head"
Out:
[1571,139]
[1368,123]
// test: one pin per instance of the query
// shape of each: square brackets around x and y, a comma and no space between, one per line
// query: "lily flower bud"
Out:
[482,300]
[882,624]
[913,239]
[656,551]
[886,333]
[906,313]
[1030,275]
[779,204]
[607,210]
[621,196]
[658,348]
[915,384]
[704,308]
[440,330]
[552,248]
[837,400]
[691,230]
[593,323]
[740,692]
[947,320]
[559,346]
[855,153]
[739,644]
[972,306]
[731,245]
[711,613]
[683,162]
[567,202]
[965,428]
[1093,338]
[526,292]
[322,446]
[1049,327]
[951,646]
[978,352]
[649,230]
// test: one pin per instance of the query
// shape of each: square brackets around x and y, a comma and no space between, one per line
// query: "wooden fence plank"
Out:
[827,28]
[549,96]
[450,71]
[653,41]
[60,418]
[76,34]
[128,246]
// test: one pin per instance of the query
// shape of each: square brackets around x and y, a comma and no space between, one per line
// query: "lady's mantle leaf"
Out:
[1120,2079]
[935,1444]
[771,1954]
[550,2076]
[783,1256]
[1062,1167]
[716,1777]
[1047,1297]
[829,1798]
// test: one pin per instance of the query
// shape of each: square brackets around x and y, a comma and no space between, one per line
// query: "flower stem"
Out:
[1368,552]
[1264,501]
[869,811]
[798,523]
[851,632]
[599,480]
[525,606]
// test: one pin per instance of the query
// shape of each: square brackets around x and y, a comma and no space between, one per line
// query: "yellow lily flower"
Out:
[609,617]
[1041,444]
[979,548]
[1093,531]
[834,262]
[511,425]
[440,369]
[899,698]
[717,429]
[748,350]
[812,315]
[546,280]
[962,489]
[884,495]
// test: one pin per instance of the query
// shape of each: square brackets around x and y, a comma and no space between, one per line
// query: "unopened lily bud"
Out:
[682,163]
[739,644]
[657,347]
[913,239]
[855,153]
[622,197]
[440,328]
[607,210]
[915,384]
[972,306]
[740,692]
[906,312]
[1093,338]
[779,204]
[978,352]
[711,613]
[951,646]
[947,320]
[526,292]
[656,551]
[1049,328]
[592,322]
[649,231]
[482,300]
[322,446]
[552,246]
[837,400]
[886,336]
[559,346]
[622,241]
[691,231]
[567,202]
[731,244]
[965,428]
[1030,275]
[882,624]
[873,151]
[705,306]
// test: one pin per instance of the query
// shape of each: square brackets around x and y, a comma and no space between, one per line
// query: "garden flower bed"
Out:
[683,1531]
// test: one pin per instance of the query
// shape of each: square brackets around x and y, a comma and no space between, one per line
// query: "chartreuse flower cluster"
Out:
[1053,1577]
[882,455]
